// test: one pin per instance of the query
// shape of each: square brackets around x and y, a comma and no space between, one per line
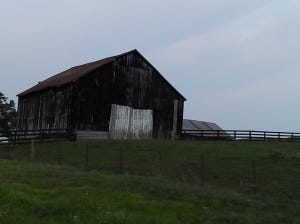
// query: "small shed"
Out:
[193,129]
[120,97]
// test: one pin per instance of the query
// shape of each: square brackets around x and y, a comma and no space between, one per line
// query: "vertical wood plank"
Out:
[175,115]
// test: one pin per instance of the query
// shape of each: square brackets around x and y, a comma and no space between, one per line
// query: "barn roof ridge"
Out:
[76,72]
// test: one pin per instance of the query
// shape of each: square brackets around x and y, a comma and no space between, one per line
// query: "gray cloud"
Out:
[241,67]
[229,58]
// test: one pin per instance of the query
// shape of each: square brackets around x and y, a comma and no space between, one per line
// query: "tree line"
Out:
[8,115]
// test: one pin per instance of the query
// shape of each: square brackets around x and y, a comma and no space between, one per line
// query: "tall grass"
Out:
[120,182]
[222,163]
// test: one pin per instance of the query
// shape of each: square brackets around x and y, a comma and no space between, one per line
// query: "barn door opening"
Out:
[129,123]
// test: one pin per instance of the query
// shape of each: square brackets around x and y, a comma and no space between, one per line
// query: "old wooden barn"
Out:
[124,96]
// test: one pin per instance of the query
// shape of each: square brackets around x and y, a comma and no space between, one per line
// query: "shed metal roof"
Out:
[199,125]
[210,130]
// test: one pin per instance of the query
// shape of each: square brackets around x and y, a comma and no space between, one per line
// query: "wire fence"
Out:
[273,173]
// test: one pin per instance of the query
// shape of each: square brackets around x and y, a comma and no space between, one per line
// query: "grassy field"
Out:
[150,182]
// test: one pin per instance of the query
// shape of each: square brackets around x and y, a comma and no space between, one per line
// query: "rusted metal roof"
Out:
[77,72]
[68,76]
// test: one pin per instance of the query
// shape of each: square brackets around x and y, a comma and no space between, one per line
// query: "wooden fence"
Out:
[240,135]
[27,135]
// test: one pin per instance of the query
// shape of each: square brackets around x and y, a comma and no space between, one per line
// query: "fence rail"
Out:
[241,135]
[238,135]
[27,135]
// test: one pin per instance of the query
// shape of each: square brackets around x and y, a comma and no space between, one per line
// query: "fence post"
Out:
[15,137]
[41,135]
[202,170]
[44,135]
[158,163]
[253,176]
[278,136]
[32,149]
[121,160]
[250,135]
[264,136]
[8,151]
[234,135]
[87,155]
[292,136]
[59,154]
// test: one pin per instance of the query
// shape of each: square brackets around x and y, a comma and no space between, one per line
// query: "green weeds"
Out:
[103,191]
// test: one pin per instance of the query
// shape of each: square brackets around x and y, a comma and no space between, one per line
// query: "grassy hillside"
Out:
[150,182]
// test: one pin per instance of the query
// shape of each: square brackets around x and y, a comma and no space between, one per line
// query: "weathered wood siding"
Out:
[91,101]
[140,124]
[129,123]
[119,122]
[48,109]
[140,86]
[92,135]
[85,104]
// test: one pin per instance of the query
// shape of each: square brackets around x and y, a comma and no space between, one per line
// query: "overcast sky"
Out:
[236,61]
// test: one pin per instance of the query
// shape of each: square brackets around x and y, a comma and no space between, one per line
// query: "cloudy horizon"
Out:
[235,61]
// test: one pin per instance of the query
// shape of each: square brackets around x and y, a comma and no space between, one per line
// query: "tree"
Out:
[8,115]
